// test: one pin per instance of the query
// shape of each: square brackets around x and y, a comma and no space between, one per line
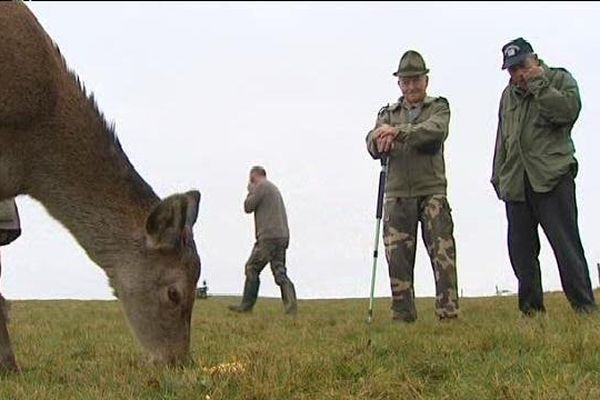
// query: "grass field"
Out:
[83,350]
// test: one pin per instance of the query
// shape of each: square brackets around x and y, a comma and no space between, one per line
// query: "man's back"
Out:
[270,217]
[272,239]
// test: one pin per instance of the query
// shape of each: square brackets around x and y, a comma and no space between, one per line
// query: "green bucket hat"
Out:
[411,64]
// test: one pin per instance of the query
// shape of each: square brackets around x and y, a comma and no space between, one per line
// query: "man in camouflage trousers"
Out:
[411,133]
[272,240]
[533,173]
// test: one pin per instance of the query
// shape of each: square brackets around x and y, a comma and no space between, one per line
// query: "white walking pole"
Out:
[379,213]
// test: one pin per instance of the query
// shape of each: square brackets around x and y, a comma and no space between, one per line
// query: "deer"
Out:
[57,147]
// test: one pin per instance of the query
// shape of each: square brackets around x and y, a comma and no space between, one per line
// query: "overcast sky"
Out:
[200,92]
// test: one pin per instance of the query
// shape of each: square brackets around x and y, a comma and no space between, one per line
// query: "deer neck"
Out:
[87,182]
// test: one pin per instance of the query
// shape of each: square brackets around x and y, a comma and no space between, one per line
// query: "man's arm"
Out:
[499,155]
[560,104]
[255,195]
[371,139]
[429,134]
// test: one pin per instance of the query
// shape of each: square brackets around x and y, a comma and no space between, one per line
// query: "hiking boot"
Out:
[447,313]
[403,317]
[448,318]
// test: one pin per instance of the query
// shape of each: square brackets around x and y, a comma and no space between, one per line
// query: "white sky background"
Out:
[201,92]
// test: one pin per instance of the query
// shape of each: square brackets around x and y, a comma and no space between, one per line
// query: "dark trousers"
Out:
[556,212]
[264,252]
[268,251]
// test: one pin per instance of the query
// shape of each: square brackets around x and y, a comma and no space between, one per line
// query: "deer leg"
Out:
[8,362]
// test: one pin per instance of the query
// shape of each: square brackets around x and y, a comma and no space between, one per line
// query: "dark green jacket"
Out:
[534,134]
[416,164]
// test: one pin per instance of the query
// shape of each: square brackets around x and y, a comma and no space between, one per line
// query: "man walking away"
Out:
[272,240]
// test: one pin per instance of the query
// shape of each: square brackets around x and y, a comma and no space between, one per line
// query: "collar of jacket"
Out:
[427,101]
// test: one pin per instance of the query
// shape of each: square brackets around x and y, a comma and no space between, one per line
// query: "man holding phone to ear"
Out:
[272,240]
[534,170]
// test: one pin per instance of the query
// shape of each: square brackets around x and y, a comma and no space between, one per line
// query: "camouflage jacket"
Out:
[416,161]
[534,134]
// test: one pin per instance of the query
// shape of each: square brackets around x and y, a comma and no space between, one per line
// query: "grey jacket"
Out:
[270,217]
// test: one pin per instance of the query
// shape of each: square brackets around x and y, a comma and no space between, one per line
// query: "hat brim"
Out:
[515,60]
[410,74]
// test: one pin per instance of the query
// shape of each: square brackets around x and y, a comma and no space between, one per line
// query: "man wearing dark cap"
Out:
[533,173]
[272,240]
[411,133]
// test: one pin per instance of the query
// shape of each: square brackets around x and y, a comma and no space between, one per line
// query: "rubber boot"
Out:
[288,295]
[249,297]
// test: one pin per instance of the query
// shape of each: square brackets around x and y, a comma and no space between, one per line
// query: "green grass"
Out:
[83,350]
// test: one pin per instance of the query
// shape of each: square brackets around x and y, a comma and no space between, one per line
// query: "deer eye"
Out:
[174,296]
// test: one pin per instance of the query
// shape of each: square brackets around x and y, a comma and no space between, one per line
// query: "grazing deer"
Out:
[56,147]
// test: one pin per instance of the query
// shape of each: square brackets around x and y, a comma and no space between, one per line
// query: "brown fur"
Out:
[56,146]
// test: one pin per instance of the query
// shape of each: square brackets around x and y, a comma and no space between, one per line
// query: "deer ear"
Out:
[193,199]
[171,220]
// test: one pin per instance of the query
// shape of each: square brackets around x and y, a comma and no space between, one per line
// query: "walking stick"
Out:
[379,213]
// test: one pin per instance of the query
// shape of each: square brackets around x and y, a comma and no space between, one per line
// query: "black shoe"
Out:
[293,310]
[587,309]
[240,309]
[533,312]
